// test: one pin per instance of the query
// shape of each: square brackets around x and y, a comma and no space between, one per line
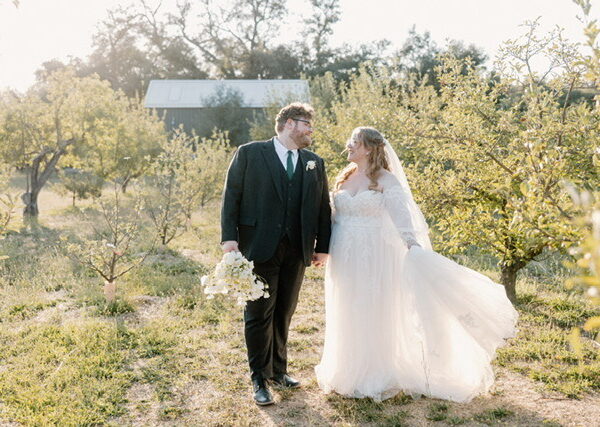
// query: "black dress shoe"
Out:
[285,381]
[262,395]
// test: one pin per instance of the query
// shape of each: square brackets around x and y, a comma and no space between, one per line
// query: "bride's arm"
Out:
[396,206]
[332,206]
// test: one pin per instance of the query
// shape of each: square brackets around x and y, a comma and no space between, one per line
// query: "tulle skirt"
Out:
[407,320]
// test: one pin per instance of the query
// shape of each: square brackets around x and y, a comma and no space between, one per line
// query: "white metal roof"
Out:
[195,93]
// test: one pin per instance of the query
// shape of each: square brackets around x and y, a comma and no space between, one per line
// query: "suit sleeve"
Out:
[232,196]
[324,221]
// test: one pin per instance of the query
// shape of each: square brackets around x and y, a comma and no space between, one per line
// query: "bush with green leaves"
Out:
[7,200]
[79,184]
[107,249]
[587,252]
[7,205]
[226,111]
[186,175]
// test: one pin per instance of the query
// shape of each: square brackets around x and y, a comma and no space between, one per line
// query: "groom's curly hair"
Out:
[294,110]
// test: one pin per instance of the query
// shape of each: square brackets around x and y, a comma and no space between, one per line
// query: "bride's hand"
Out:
[319,259]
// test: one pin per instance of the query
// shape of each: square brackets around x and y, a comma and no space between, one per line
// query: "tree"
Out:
[499,151]
[212,158]
[133,46]
[71,117]
[117,55]
[587,252]
[7,200]
[420,55]
[496,150]
[318,28]
[126,145]
[371,98]
[107,249]
[187,174]
[231,36]
[225,111]
[79,184]
[38,129]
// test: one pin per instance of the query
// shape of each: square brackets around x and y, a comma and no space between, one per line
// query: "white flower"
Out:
[593,292]
[310,164]
[233,276]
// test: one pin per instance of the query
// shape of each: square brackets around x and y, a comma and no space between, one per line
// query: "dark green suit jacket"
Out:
[252,212]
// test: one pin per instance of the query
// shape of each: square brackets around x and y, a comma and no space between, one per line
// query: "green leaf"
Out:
[524,188]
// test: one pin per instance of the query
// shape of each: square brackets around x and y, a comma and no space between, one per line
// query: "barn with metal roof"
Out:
[192,103]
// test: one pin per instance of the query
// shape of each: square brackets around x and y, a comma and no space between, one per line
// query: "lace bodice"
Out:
[371,208]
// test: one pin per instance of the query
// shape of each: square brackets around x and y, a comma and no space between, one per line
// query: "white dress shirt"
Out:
[282,152]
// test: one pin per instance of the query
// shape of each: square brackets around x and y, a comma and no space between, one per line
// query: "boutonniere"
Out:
[310,164]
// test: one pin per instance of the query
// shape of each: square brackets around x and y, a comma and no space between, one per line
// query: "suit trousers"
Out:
[267,320]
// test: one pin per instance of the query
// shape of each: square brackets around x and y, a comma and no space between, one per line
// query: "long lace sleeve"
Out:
[396,203]
[332,206]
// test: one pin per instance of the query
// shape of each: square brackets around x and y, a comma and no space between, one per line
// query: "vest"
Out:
[292,203]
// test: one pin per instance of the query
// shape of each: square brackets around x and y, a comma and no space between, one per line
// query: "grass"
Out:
[163,354]
[64,372]
[542,350]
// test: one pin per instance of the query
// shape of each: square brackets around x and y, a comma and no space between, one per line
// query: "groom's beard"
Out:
[302,140]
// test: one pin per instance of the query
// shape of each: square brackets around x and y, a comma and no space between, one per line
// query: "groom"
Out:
[276,212]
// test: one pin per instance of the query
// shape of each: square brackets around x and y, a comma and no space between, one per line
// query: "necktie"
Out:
[290,165]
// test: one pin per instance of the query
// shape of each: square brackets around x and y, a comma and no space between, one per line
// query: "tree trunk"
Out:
[125,183]
[38,175]
[110,291]
[31,204]
[508,277]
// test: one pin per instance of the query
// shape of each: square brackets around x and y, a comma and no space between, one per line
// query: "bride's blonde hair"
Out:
[374,142]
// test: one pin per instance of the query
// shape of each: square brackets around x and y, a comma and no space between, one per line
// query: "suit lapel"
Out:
[274,166]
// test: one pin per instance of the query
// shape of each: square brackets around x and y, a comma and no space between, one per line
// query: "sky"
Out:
[40,30]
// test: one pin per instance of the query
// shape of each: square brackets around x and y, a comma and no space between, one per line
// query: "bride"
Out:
[400,317]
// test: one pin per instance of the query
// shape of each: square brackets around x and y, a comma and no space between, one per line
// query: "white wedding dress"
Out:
[400,319]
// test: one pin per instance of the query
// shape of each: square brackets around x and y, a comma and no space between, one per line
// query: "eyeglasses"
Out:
[304,121]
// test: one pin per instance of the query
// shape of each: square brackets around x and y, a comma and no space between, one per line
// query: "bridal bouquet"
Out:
[233,276]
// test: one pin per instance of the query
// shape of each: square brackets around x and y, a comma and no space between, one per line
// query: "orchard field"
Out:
[108,222]
[162,354]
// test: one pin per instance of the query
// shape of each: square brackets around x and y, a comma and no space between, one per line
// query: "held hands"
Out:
[229,246]
[319,259]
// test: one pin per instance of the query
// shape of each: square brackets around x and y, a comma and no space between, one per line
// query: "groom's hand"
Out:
[229,246]
[319,259]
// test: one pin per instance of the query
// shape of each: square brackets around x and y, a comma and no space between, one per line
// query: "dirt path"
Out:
[513,400]
[519,395]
